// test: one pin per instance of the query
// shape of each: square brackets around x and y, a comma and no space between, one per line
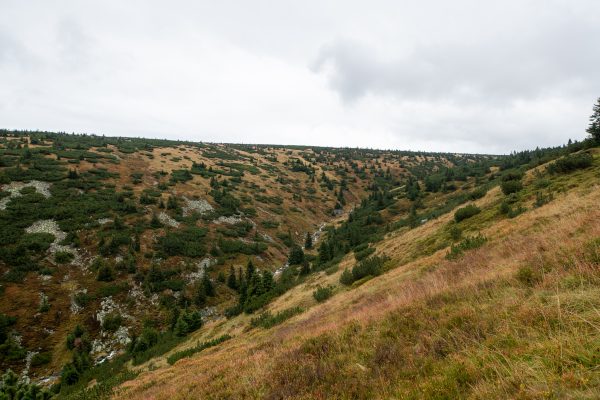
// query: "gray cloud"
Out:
[467,75]
[559,61]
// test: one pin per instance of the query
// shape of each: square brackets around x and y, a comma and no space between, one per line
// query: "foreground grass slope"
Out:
[517,317]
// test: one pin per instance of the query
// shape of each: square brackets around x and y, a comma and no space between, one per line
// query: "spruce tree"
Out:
[171,203]
[249,270]
[594,128]
[308,243]
[305,270]
[267,281]
[207,285]
[181,327]
[296,255]
[231,280]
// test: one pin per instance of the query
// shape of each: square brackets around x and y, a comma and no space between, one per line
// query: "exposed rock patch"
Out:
[50,226]
[165,219]
[228,220]
[14,188]
[201,267]
[200,206]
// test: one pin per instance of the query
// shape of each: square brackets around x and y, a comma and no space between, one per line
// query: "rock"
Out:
[50,226]
[15,188]
[200,206]
[165,219]
[201,267]
[228,220]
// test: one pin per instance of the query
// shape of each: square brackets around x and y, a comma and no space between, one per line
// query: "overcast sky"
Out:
[460,75]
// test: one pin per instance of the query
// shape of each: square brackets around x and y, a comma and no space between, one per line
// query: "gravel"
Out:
[200,206]
[167,220]
[228,220]
[14,188]
[50,226]
[109,342]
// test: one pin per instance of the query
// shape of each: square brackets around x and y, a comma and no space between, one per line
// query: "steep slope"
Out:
[117,248]
[513,314]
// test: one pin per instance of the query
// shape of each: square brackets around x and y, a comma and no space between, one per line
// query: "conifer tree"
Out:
[308,243]
[207,285]
[231,279]
[594,128]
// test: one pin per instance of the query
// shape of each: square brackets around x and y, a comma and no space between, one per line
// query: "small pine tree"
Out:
[231,279]
[267,281]
[105,274]
[296,255]
[155,222]
[346,278]
[171,203]
[200,296]
[308,242]
[207,285]
[305,270]
[413,219]
[249,270]
[136,243]
[181,327]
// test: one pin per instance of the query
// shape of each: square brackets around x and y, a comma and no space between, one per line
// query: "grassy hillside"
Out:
[502,303]
[121,248]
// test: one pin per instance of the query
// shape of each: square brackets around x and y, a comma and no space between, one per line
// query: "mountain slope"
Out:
[516,317]
[119,248]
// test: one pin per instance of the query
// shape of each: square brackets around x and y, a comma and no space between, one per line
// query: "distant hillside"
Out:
[121,248]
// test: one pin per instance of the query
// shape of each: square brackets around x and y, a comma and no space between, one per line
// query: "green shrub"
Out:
[82,299]
[467,243]
[238,246]
[105,273]
[371,266]
[269,224]
[571,163]
[41,359]
[63,257]
[478,193]
[364,253]
[187,242]
[12,387]
[172,359]
[466,212]
[509,211]
[528,276]
[181,175]
[113,289]
[37,242]
[346,278]
[267,320]
[152,344]
[323,293]
[455,233]
[509,187]
[112,322]
[512,175]
[296,255]
[187,322]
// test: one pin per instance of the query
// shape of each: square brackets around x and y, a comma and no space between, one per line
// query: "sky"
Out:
[473,76]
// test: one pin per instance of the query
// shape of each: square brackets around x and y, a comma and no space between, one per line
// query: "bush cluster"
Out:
[466,212]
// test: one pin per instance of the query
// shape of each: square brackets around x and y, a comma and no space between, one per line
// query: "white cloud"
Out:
[462,76]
